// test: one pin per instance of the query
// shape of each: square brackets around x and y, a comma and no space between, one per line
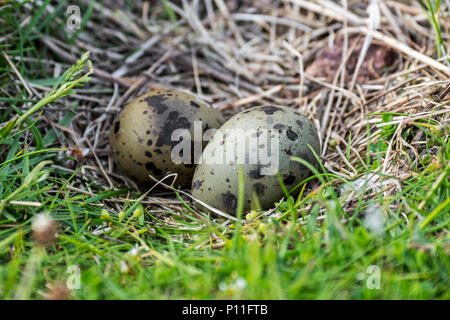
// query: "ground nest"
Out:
[373,76]
[235,55]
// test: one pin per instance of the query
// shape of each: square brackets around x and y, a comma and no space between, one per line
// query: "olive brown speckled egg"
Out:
[141,135]
[278,133]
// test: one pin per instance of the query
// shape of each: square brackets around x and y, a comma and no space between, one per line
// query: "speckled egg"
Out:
[271,132]
[141,135]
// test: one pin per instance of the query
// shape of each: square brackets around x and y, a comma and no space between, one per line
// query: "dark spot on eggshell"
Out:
[312,131]
[173,122]
[116,126]
[288,179]
[279,127]
[269,120]
[195,105]
[145,112]
[149,142]
[299,122]
[150,166]
[156,102]
[148,154]
[229,201]
[197,184]
[270,109]
[291,135]
[259,188]
[256,173]
[158,151]
[256,134]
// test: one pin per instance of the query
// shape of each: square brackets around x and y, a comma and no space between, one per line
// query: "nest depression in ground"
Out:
[340,63]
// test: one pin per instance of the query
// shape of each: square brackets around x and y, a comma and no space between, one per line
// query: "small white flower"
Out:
[133,251]
[41,222]
[223,286]
[374,218]
[240,283]
[123,266]
[43,229]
